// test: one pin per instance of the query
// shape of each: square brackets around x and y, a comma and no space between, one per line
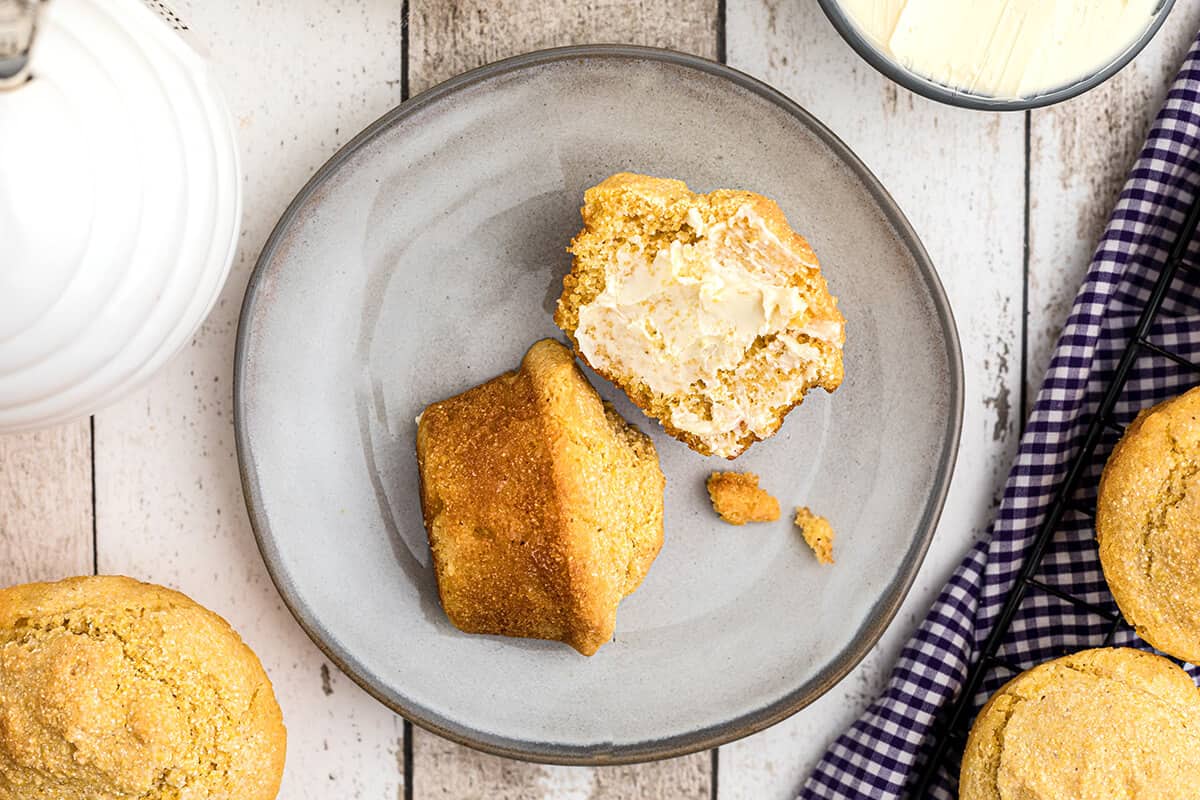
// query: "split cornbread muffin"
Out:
[114,689]
[708,310]
[1108,724]
[543,507]
[1148,525]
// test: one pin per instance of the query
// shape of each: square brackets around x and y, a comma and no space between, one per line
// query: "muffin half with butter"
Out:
[111,688]
[708,310]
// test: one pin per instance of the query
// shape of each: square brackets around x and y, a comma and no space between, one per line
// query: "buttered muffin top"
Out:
[708,310]
[111,688]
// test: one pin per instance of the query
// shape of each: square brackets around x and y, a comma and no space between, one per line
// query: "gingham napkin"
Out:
[878,757]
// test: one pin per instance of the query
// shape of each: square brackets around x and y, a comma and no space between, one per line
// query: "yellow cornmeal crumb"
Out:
[817,532]
[737,498]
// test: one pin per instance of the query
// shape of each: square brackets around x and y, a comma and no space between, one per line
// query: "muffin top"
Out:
[1096,725]
[708,310]
[112,688]
[1148,525]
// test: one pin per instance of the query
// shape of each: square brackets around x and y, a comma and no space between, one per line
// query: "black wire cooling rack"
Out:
[950,733]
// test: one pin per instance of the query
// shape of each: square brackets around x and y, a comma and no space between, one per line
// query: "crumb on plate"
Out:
[818,533]
[737,498]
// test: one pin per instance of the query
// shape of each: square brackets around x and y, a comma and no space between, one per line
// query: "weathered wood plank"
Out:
[301,79]
[446,38]
[959,176]
[46,504]
[444,769]
[1080,154]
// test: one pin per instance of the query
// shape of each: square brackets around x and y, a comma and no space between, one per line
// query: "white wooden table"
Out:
[1009,207]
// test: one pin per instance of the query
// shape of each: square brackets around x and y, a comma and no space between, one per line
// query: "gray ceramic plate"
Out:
[426,256]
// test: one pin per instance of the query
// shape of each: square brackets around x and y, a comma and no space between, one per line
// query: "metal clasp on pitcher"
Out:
[18,29]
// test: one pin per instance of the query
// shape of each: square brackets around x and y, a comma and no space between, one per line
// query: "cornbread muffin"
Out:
[707,309]
[1096,725]
[111,688]
[737,499]
[817,533]
[543,507]
[1148,525]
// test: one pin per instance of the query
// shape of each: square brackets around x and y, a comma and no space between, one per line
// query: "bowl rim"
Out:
[656,749]
[942,93]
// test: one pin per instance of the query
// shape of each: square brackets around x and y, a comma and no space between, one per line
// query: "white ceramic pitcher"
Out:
[120,202]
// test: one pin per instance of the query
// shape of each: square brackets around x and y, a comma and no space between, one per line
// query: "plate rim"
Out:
[720,733]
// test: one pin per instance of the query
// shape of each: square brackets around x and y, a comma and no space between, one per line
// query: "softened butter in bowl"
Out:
[1005,50]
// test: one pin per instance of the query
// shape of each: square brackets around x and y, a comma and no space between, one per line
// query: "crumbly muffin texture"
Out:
[113,689]
[817,533]
[737,498]
[543,507]
[1096,725]
[706,309]
[1148,525]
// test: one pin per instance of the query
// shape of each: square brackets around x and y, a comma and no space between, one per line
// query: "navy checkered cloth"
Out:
[879,755]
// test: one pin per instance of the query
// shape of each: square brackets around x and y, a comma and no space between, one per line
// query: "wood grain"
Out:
[959,177]
[444,769]
[446,38]
[46,504]
[1080,155]
[300,80]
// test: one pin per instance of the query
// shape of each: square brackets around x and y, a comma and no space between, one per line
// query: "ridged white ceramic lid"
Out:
[120,203]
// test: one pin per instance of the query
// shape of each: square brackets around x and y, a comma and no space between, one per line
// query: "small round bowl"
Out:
[882,60]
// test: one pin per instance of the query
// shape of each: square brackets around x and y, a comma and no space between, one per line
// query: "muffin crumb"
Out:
[737,498]
[817,532]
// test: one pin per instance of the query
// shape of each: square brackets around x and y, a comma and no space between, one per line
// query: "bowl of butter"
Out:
[998,54]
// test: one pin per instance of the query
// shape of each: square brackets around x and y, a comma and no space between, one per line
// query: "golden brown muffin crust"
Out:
[737,498]
[111,688]
[1109,724]
[1148,525]
[543,506]
[817,533]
